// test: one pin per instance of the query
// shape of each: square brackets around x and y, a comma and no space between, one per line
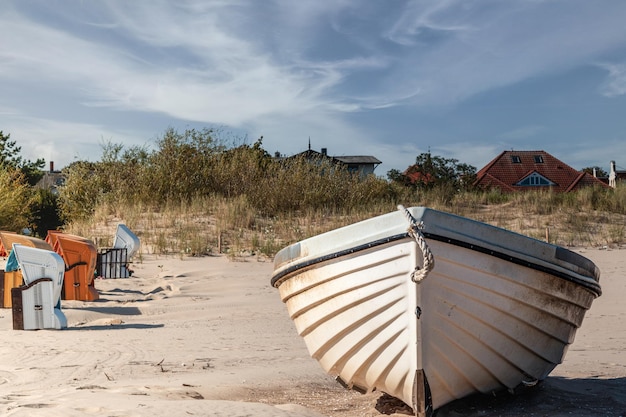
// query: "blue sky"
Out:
[389,78]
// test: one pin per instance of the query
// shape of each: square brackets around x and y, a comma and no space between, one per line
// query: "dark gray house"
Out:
[361,164]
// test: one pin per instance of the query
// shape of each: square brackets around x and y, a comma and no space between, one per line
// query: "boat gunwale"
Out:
[591,284]
[279,277]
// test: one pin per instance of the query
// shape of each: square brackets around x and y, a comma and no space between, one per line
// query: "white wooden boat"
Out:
[431,307]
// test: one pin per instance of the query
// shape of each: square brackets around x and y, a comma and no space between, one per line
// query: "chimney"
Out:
[612,175]
[51,166]
[324,151]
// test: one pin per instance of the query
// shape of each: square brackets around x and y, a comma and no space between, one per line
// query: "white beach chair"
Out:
[113,262]
[124,238]
[43,272]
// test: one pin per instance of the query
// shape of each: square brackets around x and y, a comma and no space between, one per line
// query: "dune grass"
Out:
[213,224]
[195,196]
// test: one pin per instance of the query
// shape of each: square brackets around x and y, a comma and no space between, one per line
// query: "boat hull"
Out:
[488,316]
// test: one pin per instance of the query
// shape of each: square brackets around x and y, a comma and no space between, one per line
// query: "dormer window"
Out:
[535,180]
[516,159]
[538,159]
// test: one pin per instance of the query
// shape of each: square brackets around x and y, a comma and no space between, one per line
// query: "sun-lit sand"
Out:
[210,337]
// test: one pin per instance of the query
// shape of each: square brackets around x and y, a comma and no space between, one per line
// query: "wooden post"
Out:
[2,288]
[17,308]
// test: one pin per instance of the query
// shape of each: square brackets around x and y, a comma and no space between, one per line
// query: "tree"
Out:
[10,158]
[16,198]
[395,175]
[45,212]
[600,173]
[181,165]
[433,170]
[79,196]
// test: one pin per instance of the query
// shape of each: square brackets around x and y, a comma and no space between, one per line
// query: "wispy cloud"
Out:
[285,69]
[457,49]
[178,59]
[615,84]
[424,22]
[64,142]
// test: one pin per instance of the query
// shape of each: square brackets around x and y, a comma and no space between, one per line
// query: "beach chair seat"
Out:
[124,238]
[33,307]
[79,255]
[12,276]
[113,262]
[8,281]
[37,303]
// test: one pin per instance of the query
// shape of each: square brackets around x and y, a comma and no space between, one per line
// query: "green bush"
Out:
[45,212]
[17,197]
[82,192]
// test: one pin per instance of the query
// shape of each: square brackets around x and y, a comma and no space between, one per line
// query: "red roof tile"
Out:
[510,167]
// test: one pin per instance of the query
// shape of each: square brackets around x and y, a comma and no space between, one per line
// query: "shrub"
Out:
[45,212]
[16,199]
[82,191]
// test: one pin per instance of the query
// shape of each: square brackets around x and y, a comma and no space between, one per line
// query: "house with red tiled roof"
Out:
[532,170]
[416,176]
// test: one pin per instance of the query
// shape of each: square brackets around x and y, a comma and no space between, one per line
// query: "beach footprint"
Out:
[162,291]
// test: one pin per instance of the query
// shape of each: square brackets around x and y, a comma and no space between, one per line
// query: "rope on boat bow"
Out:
[415,230]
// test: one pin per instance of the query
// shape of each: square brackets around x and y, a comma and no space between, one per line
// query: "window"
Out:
[516,159]
[535,180]
[538,159]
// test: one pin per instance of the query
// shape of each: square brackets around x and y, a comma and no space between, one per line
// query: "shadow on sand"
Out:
[116,323]
[555,396]
[120,326]
[115,310]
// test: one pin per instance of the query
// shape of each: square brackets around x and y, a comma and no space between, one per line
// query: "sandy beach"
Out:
[210,337]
